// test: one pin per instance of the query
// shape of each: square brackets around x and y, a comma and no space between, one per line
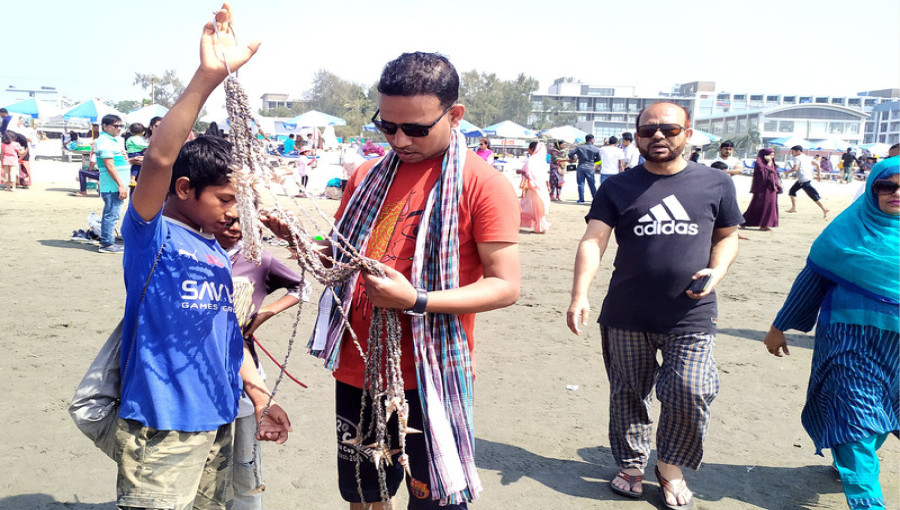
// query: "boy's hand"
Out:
[213,47]
[275,426]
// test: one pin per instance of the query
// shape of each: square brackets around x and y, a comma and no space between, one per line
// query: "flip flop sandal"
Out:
[666,486]
[631,480]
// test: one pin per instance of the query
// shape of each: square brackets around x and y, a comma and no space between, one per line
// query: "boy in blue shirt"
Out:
[183,358]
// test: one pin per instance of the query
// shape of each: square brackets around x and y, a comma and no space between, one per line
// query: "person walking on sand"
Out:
[849,291]
[612,159]
[802,166]
[535,202]
[587,155]
[676,227]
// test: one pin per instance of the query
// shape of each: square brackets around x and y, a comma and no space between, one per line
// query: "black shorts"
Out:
[347,401]
[807,187]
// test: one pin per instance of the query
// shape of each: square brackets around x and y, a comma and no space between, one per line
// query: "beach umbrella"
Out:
[370,127]
[92,110]
[569,134]
[877,149]
[469,129]
[509,129]
[790,141]
[701,138]
[34,109]
[144,114]
[314,118]
[829,144]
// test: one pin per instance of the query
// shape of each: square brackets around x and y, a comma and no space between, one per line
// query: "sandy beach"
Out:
[541,392]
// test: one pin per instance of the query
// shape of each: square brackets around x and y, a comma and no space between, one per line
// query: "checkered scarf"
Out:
[443,365]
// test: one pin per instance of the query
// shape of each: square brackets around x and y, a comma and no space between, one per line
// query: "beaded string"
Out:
[252,175]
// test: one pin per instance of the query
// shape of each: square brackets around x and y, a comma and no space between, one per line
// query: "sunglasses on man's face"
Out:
[885,187]
[668,130]
[412,130]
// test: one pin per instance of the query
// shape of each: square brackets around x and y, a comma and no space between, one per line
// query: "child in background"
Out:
[9,152]
[135,145]
[252,283]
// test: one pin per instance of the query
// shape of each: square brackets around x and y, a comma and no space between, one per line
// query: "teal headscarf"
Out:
[862,245]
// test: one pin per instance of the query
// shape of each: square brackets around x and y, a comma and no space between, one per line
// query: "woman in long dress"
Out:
[535,202]
[851,286]
[763,209]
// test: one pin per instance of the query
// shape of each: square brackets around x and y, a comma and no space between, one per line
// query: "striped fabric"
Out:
[686,384]
[855,373]
[443,366]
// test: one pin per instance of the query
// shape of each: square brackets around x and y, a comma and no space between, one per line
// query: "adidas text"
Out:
[667,228]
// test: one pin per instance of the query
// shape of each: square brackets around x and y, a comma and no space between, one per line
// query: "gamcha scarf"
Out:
[443,366]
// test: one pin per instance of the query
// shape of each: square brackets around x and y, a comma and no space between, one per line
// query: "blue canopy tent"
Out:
[146,113]
[790,141]
[509,129]
[568,134]
[34,109]
[92,110]
[313,118]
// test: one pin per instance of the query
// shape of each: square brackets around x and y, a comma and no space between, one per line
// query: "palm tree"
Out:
[748,142]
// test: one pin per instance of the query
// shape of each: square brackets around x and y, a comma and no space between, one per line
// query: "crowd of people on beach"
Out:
[17,142]
[443,227]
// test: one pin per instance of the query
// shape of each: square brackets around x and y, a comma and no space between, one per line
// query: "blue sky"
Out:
[799,46]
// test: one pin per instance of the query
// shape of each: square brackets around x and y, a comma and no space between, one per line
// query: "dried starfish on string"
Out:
[255,181]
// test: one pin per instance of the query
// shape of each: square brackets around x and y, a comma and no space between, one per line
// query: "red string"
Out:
[279,365]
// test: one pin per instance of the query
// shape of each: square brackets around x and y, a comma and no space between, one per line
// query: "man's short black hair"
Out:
[4,110]
[421,74]
[895,146]
[627,136]
[797,148]
[726,143]
[613,140]
[718,165]
[588,138]
[204,161]
[110,119]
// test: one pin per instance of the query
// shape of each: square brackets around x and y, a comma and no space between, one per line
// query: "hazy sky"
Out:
[800,46]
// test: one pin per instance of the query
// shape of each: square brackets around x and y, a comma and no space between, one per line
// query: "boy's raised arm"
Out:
[156,172]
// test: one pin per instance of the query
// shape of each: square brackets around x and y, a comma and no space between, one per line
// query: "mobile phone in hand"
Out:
[699,285]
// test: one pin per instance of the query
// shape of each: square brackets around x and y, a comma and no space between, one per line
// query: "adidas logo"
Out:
[667,218]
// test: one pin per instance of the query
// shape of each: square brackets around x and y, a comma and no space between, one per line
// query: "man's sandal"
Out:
[666,486]
[631,480]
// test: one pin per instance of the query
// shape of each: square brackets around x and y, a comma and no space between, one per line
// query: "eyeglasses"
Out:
[413,130]
[668,130]
[120,126]
[885,187]
[231,222]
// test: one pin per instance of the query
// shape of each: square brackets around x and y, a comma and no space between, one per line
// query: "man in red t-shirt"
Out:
[418,113]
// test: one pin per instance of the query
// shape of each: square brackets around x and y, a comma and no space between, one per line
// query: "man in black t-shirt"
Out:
[676,225]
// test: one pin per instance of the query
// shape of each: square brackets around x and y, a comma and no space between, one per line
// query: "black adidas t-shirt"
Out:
[663,226]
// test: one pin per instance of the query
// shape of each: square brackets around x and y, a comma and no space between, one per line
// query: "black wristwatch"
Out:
[418,309]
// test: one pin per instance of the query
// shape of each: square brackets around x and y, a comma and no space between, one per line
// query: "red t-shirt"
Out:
[488,213]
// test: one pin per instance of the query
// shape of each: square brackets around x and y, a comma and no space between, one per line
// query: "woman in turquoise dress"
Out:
[850,287]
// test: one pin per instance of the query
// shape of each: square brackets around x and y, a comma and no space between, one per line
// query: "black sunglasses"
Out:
[232,221]
[413,130]
[885,187]
[668,130]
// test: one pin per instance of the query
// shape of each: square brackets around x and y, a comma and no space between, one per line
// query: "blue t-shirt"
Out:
[110,147]
[663,226]
[289,145]
[184,372]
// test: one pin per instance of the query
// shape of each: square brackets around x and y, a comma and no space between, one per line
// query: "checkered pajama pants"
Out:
[686,384]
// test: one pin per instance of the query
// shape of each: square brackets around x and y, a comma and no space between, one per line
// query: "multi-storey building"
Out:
[610,110]
[883,125]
